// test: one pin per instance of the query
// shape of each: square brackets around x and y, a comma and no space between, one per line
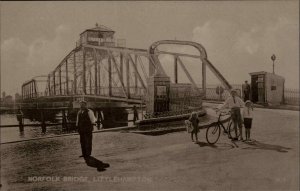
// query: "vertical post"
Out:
[151,66]
[135,75]
[54,85]
[109,76]
[20,120]
[175,70]
[90,80]
[99,79]
[35,91]
[204,79]
[24,92]
[127,76]
[64,121]
[121,66]
[43,125]
[31,90]
[75,71]
[83,72]
[59,74]
[49,86]
[96,72]
[67,77]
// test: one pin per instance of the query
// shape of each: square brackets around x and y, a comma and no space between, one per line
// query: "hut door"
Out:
[261,88]
[258,88]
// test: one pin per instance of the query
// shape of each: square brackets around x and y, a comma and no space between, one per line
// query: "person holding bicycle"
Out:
[234,103]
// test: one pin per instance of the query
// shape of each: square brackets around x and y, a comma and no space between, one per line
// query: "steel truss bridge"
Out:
[111,75]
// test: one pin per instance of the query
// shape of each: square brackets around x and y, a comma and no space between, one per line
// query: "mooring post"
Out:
[43,125]
[64,121]
[20,120]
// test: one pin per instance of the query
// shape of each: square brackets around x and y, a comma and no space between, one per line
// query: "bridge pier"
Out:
[114,117]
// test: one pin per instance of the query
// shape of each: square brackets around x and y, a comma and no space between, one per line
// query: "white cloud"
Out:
[246,42]
[237,50]
[40,57]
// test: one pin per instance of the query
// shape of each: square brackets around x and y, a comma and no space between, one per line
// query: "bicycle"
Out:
[213,132]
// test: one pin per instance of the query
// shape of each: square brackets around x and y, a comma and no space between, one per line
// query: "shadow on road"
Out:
[204,144]
[265,146]
[219,146]
[93,162]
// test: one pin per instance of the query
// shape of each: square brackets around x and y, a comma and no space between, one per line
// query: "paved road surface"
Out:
[167,162]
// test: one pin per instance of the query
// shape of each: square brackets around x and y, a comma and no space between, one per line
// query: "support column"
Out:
[67,78]
[135,75]
[90,80]
[99,78]
[35,91]
[75,71]
[121,67]
[96,72]
[31,85]
[109,77]
[175,70]
[204,79]
[49,86]
[127,76]
[59,73]
[54,86]
[83,72]
[151,66]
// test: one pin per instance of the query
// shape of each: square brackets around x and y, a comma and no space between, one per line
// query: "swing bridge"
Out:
[111,78]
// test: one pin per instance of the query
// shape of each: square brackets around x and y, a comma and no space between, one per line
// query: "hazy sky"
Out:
[239,37]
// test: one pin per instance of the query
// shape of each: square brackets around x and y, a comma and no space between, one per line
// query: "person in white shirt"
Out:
[234,103]
[248,116]
[85,124]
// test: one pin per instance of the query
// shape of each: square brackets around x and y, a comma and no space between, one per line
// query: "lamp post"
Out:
[273,58]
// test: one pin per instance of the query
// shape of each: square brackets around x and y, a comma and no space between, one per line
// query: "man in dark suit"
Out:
[246,90]
[85,121]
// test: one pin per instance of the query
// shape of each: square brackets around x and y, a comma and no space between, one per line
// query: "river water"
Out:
[12,133]
[8,134]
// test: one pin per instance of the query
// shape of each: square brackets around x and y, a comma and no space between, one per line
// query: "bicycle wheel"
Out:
[230,129]
[213,134]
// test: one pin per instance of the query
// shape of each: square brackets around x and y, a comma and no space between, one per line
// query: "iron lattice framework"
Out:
[115,73]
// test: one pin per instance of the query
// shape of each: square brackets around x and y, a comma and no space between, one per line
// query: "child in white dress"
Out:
[248,117]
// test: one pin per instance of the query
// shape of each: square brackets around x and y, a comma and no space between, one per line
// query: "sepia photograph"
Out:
[149,95]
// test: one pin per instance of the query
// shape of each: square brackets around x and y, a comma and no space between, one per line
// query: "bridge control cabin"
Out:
[98,36]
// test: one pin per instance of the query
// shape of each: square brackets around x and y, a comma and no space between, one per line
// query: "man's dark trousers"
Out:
[86,143]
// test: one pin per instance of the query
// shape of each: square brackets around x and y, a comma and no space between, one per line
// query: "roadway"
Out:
[166,162]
